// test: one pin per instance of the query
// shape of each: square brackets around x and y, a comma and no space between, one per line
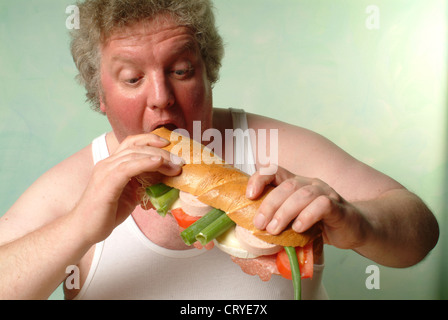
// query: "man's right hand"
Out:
[110,196]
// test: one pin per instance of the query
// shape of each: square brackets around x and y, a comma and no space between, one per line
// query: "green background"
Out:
[378,93]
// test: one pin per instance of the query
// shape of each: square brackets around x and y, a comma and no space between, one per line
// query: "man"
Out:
[151,63]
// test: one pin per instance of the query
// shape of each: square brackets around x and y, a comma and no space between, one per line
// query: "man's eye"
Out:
[180,72]
[183,73]
[133,80]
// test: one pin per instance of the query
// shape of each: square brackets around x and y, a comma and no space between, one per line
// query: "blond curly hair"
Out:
[100,18]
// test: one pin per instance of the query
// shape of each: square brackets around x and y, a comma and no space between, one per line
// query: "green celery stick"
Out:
[189,234]
[164,202]
[215,229]
[157,190]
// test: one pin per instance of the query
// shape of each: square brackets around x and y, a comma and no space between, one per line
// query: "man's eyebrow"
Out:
[124,59]
[189,45]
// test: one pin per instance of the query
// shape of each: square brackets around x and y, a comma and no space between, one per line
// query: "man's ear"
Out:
[102,105]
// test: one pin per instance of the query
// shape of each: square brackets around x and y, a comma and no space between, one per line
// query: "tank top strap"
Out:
[99,149]
[243,156]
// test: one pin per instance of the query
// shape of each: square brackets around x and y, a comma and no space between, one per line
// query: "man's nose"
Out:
[160,93]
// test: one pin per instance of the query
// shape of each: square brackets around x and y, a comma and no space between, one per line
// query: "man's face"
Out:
[152,75]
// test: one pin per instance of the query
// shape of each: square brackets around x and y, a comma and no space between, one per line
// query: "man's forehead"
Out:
[138,50]
[149,31]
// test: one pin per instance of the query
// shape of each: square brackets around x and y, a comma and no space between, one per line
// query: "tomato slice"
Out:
[183,219]
[305,258]
[306,261]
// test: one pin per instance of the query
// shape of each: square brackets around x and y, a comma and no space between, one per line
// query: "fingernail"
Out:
[177,160]
[260,221]
[164,140]
[156,158]
[297,226]
[272,226]
[250,191]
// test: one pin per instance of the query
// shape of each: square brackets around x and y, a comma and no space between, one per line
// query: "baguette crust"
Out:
[223,187]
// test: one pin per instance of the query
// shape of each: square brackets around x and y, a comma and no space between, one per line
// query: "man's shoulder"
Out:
[70,176]
[299,149]
[258,122]
[52,195]
[80,162]
[67,179]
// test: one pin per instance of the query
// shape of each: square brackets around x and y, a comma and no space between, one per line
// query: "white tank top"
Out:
[127,265]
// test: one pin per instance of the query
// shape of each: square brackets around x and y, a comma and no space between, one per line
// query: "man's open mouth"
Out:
[168,126]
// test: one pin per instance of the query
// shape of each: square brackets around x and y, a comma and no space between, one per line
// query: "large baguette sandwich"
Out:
[223,187]
[208,184]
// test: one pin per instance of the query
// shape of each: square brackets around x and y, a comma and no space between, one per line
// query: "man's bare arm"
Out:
[361,208]
[34,255]
[34,265]
[403,229]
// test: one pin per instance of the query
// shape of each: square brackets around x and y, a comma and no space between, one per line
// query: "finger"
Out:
[147,139]
[274,200]
[329,208]
[120,171]
[149,150]
[111,177]
[256,184]
[137,164]
[292,207]
[323,207]
[259,180]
